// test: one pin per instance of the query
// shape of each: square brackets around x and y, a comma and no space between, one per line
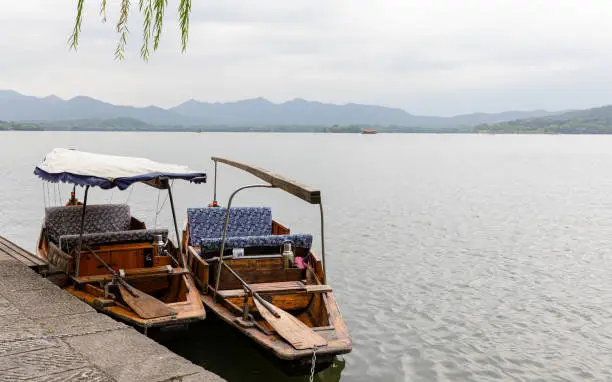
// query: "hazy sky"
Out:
[434,57]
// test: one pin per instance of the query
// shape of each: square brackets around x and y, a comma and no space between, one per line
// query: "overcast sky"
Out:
[433,57]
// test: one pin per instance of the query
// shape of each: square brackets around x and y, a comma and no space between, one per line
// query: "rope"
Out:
[162,206]
[158,208]
[44,196]
[130,194]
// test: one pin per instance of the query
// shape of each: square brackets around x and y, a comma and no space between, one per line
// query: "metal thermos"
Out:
[288,255]
[158,247]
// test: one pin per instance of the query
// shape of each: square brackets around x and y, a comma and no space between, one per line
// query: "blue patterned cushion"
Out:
[299,240]
[68,242]
[60,221]
[244,221]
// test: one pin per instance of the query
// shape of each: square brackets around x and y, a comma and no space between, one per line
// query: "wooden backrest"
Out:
[252,271]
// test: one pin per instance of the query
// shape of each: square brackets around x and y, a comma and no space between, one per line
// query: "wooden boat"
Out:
[264,281]
[369,132]
[111,259]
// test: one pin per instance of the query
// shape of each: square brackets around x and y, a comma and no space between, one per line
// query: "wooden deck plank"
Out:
[18,252]
[318,288]
[14,251]
[134,273]
[283,287]
[14,246]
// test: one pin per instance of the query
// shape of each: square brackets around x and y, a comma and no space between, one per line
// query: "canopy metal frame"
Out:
[161,183]
[275,181]
[224,234]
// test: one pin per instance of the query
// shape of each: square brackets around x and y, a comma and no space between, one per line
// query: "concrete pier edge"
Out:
[46,334]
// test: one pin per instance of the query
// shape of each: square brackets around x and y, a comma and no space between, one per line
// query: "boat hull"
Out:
[188,311]
[189,307]
[336,334]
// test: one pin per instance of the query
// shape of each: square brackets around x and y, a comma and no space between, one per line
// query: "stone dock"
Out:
[46,334]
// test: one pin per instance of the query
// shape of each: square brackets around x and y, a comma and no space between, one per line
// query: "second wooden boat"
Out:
[263,280]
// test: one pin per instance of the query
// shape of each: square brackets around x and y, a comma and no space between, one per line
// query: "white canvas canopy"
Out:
[108,171]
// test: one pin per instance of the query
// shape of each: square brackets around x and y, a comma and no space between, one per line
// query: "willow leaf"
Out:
[74,38]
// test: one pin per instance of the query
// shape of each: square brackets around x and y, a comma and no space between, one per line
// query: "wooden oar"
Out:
[144,305]
[290,328]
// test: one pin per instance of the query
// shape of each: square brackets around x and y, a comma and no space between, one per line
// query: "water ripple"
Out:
[454,258]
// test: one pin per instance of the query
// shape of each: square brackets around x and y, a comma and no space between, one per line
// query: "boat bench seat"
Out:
[299,240]
[247,227]
[139,235]
[104,224]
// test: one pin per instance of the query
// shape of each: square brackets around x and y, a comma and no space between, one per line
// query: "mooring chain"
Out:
[314,362]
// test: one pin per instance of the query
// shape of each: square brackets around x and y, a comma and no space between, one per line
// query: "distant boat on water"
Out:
[368,131]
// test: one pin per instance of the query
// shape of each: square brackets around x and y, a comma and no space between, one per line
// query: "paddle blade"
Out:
[290,328]
[144,305]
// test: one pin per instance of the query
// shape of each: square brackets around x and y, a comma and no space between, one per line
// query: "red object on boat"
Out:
[299,262]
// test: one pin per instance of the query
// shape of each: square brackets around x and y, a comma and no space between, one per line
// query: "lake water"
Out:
[453,257]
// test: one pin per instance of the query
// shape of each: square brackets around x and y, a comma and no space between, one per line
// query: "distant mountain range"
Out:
[16,107]
[596,120]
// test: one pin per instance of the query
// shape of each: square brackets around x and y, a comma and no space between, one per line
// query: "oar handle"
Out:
[127,287]
[265,303]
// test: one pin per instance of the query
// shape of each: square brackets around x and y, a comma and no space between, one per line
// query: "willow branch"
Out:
[103,11]
[146,8]
[122,29]
[153,16]
[184,13]
[74,38]
[159,6]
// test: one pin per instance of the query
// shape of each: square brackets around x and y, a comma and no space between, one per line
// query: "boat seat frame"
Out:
[276,288]
[164,270]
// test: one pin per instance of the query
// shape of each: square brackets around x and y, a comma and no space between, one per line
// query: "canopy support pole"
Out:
[224,236]
[215,186]
[176,230]
[78,257]
[323,244]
